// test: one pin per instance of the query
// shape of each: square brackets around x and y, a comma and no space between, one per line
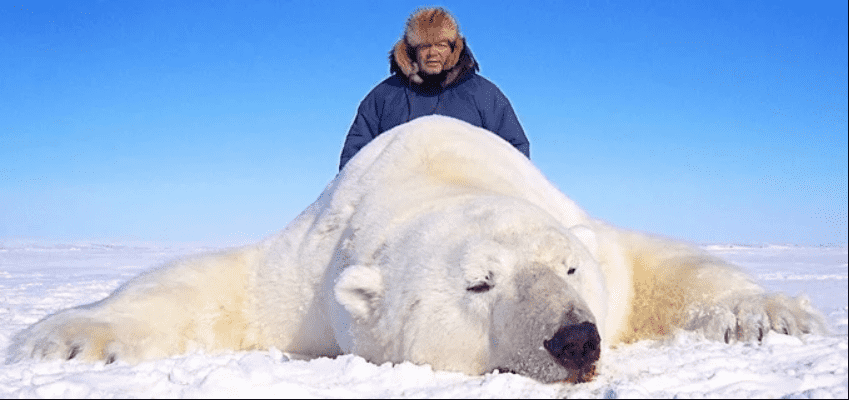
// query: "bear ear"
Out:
[359,289]
[587,237]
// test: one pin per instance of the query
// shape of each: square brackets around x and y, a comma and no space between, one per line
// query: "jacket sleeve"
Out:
[503,121]
[362,131]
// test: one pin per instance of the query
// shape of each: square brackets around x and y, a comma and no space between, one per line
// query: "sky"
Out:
[710,122]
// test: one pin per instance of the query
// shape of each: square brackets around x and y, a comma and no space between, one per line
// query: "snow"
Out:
[39,278]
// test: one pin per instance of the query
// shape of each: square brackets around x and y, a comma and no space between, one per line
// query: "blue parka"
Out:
[460,93]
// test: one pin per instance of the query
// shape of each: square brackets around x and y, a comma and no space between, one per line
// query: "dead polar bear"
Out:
[438,244]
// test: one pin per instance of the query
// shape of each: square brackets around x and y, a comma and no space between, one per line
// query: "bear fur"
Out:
[438,244]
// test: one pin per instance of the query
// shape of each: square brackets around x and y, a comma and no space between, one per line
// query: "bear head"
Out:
[481,284]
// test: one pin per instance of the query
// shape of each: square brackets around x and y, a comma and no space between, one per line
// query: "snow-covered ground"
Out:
[39,278]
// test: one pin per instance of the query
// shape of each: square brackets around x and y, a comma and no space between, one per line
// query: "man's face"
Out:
[431,57]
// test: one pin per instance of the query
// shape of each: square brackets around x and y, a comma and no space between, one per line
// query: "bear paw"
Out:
[748,318]
[73,339]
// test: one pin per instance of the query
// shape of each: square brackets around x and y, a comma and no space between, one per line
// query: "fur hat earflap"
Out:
[428,26]
[405,59]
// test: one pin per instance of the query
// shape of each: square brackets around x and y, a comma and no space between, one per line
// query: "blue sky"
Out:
[715,121]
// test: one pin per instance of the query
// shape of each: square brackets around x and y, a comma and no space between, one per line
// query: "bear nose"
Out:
[575,346]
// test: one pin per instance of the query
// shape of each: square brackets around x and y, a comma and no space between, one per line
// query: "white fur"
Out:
[389,263]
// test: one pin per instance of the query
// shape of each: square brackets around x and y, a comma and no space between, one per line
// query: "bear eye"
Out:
[571,271]
[479,287]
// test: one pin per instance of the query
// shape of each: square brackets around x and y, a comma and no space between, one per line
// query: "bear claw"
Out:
[73,352]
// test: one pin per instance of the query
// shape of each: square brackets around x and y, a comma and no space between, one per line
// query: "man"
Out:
[433,72]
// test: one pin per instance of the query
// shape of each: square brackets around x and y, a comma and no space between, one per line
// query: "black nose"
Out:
[575,346]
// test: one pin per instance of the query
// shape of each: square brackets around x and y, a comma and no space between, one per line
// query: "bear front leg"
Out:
[196,303]
[701,293]
[748,317]
[726,305]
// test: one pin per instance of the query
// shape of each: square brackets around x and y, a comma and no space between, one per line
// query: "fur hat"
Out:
[429,26]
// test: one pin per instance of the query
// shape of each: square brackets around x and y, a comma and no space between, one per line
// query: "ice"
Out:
[39,278]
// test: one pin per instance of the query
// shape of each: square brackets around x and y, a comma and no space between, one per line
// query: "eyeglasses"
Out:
[440,47]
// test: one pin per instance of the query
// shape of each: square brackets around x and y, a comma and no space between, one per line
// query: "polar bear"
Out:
[438,244]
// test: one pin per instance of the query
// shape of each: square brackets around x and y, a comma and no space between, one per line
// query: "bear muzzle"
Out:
[569,355]
[545,331]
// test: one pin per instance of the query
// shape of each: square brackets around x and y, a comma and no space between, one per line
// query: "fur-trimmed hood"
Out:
[430,26]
